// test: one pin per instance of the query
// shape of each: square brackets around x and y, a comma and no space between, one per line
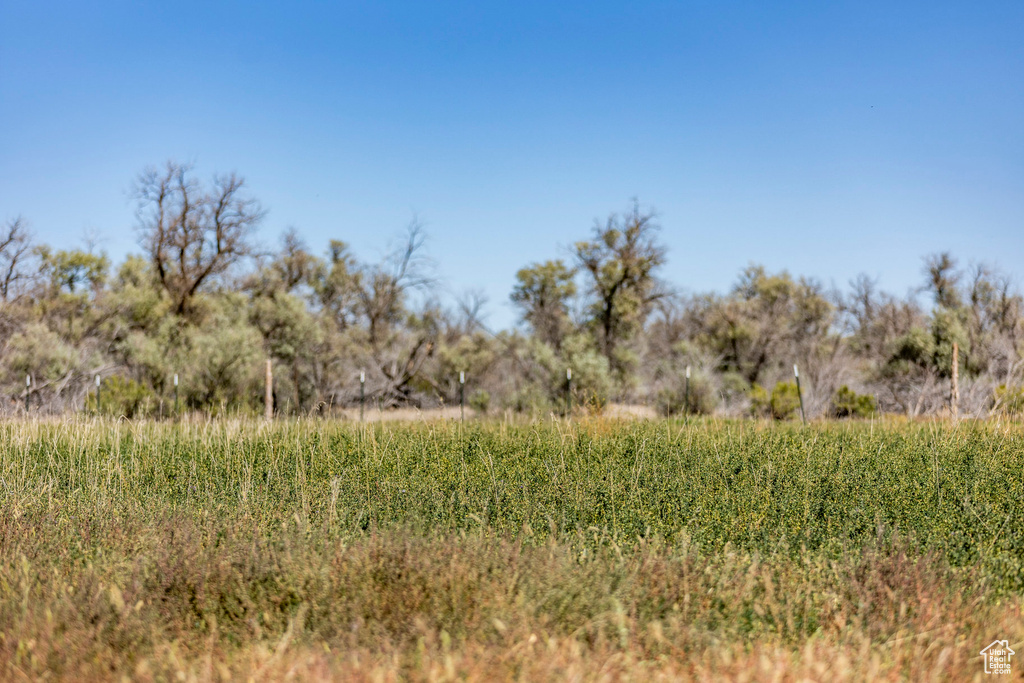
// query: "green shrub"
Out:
[591,377]
[848,403]
[480,401]
[785,400]
[120,396]
[531,400]
[734,387]
[703,399]
[1009,400]
[591,400]
[760,401]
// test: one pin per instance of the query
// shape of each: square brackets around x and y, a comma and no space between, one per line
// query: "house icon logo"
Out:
[997,657]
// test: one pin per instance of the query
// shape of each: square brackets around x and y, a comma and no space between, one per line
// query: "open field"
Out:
[596,550]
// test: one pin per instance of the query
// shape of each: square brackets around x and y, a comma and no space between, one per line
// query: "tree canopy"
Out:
[203,302]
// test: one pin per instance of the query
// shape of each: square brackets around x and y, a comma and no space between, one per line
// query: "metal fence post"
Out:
[799,393]
[268,396]
[686,405]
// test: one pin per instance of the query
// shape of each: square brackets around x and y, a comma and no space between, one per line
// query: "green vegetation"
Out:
[1009,400]
[785,400]
[206,301]
[123,397]
[782,404]
[543,550]
[848,403]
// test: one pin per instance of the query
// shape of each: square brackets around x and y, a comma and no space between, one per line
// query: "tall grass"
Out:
[240,549]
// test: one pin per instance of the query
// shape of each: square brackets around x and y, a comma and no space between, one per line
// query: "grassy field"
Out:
[597,550]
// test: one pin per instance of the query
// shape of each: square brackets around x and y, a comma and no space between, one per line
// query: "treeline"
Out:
[202,301]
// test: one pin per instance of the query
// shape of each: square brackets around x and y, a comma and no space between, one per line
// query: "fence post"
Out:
[268,396]
[686,404]
[799,393]
[98,394]
[175,394]
[362,394]
[568,392]
[28,388]
[462,395]
[954,391]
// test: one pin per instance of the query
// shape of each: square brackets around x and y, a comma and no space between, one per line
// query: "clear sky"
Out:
[826,138]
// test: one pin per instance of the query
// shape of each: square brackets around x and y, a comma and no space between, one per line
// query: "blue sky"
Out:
[825,138]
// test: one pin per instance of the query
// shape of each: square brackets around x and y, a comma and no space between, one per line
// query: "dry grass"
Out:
[205,601]
[613,411]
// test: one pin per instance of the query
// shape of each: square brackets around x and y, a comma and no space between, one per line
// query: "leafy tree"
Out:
[291,333]
[542,293]
[222,360]
[336,285]
[71,282]
[621,261]
[73,272]
[201,301]
[943,280]
[948,328]
[766,323]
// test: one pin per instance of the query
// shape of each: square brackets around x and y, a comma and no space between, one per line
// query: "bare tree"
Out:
[295,264]
[400,340]
[471,306]
[384,286]
[859,309]
[15,250]
[192,233]
[994,315]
